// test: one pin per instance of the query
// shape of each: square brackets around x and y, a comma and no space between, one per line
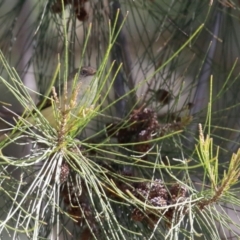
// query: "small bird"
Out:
[87,85]
[86,93]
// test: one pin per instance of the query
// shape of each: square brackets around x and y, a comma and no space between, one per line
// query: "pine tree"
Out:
[153,150]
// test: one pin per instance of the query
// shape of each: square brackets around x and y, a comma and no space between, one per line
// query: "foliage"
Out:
[144,161]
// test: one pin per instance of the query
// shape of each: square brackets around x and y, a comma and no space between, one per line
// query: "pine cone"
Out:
[137,215]
[64,172]
[143,136]
[177,191]
[138,128]
[156,193]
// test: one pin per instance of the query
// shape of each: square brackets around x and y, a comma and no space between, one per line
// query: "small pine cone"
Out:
[153,126]
[134,122]
[177,191]
[156,192]
[64,172]
[143,136]
[124,136]
[137,215]
[145,119]
[142,190]
[147,115]
[158,189]
[159,201]
[116,130]
[140,126]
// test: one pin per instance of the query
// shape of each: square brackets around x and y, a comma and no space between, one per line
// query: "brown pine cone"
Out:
[155,192]
[64,172]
